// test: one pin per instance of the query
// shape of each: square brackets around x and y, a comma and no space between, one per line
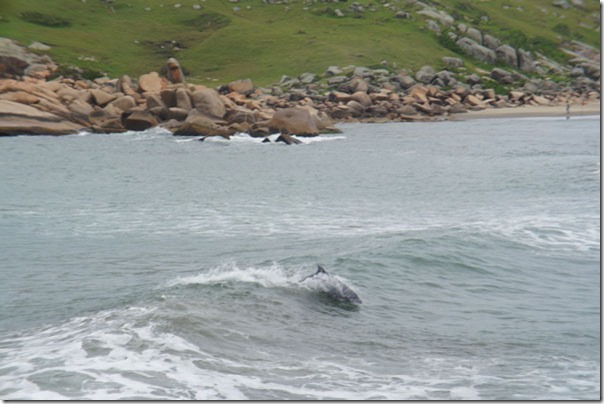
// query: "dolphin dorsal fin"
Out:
[320,270]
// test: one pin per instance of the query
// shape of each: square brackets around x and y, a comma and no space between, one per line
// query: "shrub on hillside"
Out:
[44,19]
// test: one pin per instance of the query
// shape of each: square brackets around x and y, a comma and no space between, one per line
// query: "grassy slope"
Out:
[267,41]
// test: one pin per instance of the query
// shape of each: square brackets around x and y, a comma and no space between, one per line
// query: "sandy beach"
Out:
[525,111]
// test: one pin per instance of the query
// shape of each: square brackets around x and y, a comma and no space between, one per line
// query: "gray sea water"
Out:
[144,266]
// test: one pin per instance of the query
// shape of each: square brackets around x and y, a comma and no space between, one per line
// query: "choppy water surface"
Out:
[143,266]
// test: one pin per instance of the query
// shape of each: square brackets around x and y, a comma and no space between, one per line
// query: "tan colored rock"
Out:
[21,119]
[240,115]
[541,100]
[183,99]
[419,93]
[474,101]
[237,98]
[125,85]
[295,120]
[155,100]
[198,125]
[150,82]
[339,96]
[80,108]
[102,98]
[21,97]
[208,101]
[178,114]
[362,98]
[516,95]
[245,87]
[355,108]
[124,103]
[174,72]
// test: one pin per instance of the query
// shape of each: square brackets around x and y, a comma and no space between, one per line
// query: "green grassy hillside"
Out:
[217,40]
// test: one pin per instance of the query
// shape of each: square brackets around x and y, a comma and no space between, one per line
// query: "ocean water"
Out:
[144,266]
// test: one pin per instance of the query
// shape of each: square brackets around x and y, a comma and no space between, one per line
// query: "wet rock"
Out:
[199,125]
[287,139]
[139,120]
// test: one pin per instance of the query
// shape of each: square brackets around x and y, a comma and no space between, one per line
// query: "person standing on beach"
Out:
[567,108]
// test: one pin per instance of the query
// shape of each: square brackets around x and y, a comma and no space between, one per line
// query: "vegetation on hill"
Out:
[217,41]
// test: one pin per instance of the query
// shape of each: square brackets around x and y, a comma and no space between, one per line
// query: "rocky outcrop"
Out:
[16,61]
[306,105]
[474,49]
[19,119]
[296,120]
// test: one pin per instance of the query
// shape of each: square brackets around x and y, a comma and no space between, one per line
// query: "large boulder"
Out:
[139,120]
[502,76]
[150,83]
[244,87]
[174,72]
[183,99]
[296,120]
[525,61]
[20,119]
[16,61]
[507,54]
[490,42]
[452,61]
[199,124]
[425,75]
[124,103]
[474,49]
[208,101]
[102,98]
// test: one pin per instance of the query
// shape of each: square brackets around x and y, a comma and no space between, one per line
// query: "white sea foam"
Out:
[126,354]
[113,355]
[270,276]
[245,138]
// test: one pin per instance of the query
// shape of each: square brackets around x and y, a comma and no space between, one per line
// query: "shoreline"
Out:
[305,106]
[532,111]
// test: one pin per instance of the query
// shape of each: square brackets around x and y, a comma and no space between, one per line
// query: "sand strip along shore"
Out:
[528,111]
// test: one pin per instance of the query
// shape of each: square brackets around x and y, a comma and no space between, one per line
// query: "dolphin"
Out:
[333,287]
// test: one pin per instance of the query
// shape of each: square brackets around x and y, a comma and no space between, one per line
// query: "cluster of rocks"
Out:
[305,106]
